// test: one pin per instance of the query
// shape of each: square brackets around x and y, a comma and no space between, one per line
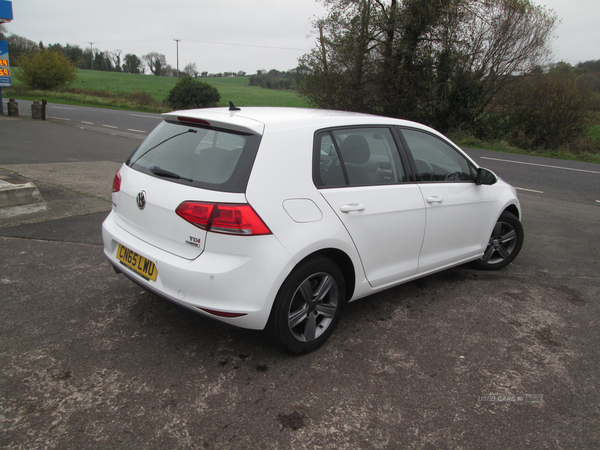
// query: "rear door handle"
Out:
[352,207]
[434,199]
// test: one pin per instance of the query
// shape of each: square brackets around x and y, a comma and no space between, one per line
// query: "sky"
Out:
[234,35]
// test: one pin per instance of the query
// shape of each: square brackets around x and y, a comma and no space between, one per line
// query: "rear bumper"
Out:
[234,274]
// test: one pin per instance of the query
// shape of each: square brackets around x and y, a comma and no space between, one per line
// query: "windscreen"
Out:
[210,158]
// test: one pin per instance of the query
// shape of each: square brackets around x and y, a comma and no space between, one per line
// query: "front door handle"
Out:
[352,207]
[434,199]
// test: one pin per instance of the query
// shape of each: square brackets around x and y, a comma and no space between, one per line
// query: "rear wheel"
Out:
[504,244]
[308,306]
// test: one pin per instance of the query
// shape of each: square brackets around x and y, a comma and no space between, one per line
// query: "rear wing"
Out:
[219,118]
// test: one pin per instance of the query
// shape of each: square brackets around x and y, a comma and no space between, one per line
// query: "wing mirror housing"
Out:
[485,176]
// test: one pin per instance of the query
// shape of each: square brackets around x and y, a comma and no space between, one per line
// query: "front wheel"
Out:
[308,306]
[504,245]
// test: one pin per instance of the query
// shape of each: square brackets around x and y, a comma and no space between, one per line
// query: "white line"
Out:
[89,123]
[597,201]
[59,118]
[137,131]
[147,117]
[540,165]
[109,126]
[529,190]
[60,107]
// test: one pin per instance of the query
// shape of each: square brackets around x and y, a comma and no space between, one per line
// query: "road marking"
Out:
[540,165]
[597,201]
[89,123]
[60,107]
[529,190]
[109,126]
[137,131]
[147,117]
[59,118]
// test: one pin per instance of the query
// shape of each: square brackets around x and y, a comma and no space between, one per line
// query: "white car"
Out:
[274,218]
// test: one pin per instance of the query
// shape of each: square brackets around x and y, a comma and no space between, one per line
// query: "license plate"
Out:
[137,263]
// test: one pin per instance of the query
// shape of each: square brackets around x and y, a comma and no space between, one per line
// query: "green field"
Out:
[233,89]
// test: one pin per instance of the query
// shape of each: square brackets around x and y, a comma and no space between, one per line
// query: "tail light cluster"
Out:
[116,187]
[227,218]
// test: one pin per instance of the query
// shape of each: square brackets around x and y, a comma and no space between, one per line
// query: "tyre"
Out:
[308,306]
[504,245]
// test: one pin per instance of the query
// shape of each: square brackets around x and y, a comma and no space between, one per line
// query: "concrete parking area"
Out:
[462,359]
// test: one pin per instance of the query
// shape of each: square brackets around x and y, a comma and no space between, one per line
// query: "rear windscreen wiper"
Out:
[161,143]
[165,173]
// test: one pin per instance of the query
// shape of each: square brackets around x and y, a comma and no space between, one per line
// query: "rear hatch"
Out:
[183,163]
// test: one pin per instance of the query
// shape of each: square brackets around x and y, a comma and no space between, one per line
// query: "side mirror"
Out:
[485,176]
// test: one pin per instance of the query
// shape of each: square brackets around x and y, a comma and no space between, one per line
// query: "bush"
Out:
[549,113]
[46,69]
[189,93]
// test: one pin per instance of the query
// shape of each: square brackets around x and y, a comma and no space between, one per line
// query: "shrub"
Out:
[189,93]
[544,110]
[46,69]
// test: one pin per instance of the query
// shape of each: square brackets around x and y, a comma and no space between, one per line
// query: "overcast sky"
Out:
[234,35]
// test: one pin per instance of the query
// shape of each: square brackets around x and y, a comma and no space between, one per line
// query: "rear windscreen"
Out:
[210,158]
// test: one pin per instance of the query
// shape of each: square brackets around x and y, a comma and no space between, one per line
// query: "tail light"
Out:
[226,218]
[117,182]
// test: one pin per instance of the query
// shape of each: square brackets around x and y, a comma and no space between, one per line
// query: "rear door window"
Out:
[209,158]
[357,157]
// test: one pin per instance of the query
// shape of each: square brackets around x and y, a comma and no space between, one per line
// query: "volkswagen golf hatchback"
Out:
[274,218]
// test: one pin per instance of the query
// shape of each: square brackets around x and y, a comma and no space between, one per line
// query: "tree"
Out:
[18,47]
[132,64]
[46,69]
[88,60]
[155,62]
[115,57]
[74,53]
[3,32]
[191,70]
[189,93]
[102,61]
[436,61]
[274,79]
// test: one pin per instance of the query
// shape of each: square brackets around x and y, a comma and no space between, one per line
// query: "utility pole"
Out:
[177,40]
[92,58]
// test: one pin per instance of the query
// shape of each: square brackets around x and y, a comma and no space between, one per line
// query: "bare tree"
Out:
[191,70]
[115,56]
[19,46]
[156,62]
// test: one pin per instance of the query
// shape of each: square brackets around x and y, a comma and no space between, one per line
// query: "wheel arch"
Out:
[344,263]
[513,210]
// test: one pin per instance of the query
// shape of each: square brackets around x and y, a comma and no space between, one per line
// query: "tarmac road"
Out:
[461,359]
[129,123]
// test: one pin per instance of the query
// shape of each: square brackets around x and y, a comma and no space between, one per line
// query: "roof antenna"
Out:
[232,107]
